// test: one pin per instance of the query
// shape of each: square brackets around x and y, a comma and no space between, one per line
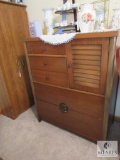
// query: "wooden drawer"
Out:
[48,63]
[80,102]
[54,78]
[84,125]
[44,48]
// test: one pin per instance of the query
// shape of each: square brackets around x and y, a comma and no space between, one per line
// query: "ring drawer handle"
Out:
[63,107]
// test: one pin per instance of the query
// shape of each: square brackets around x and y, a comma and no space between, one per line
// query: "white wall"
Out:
[34,9]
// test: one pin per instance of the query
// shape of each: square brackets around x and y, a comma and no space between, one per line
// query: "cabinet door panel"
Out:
[87,64]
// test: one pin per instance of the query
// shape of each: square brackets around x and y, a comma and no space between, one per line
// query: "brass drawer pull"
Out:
[45,63]
[63,107]
[46,77]
[43,49]
[69,65]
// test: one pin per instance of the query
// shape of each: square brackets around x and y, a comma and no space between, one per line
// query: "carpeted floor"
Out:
[27,139]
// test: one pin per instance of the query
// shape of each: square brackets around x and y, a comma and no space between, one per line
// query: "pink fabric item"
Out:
[118,60]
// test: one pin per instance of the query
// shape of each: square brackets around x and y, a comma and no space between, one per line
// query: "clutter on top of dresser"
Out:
[102,14]
[100,18]
[67,6]
[64,9]
[95,19]
[35,28]
[17,1]
[48,20]
[86,17]
[116,18]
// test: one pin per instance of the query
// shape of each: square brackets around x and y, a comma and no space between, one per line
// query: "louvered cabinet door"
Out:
[87,64]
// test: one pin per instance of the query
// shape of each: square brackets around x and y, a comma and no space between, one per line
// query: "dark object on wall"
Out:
[118,60]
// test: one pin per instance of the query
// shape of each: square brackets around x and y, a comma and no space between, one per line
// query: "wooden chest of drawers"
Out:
[73,82]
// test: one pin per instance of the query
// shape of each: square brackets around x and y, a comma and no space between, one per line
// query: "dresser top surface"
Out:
[86,35]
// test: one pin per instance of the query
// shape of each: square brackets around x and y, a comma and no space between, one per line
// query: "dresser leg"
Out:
[39,118]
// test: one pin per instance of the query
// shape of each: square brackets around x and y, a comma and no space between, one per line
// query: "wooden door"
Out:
[87,64]
[12,57]
[7,54]
[24,33]
[19,30]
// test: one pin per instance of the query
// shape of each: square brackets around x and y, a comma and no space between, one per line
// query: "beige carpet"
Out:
[27,139]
